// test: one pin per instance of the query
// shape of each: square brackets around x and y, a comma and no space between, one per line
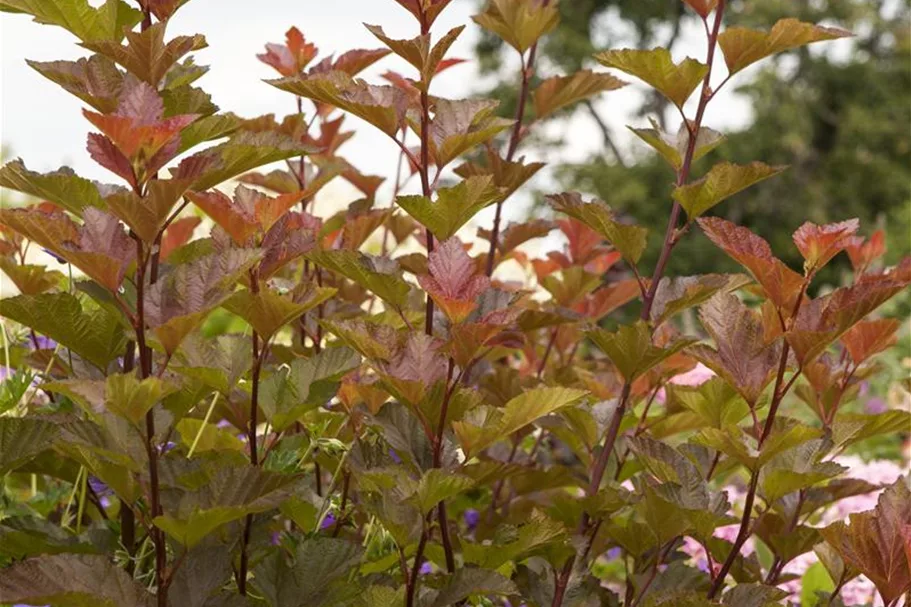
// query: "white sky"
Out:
[42,123]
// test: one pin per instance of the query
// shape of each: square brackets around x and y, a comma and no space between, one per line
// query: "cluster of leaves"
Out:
[408,428]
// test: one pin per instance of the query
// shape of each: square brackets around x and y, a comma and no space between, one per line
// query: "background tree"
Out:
[848,147]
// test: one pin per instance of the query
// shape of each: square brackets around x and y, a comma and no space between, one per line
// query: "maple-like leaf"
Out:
[743,46]
[676,81]
[870,337]
[673,147]
[139,132]
[455,206]
[678,293]
[780,283]
[146,55]
[292,57]
[95,79]
[99,247]
[419,52]
[875,542]
[454,282]
[722,181]
[864,252]
[250,213]
[819,244]
[519,23]
[88,22]
[629,240]
[702,7]
[823,320]
[558,92]
[633,350]
[507,175]
[742,356]
[62,187]
[458,125]
[146,215]
[182,298]
[425,11]
[382,106]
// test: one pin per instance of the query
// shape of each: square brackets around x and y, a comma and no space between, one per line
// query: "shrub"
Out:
[269,415]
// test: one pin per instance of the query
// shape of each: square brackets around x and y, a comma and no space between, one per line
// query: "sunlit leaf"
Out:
[519,23]
[559,92]
[676,81]
[743,46]
[721,182]
[629,240]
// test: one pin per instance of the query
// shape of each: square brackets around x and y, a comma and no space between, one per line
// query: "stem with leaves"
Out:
[671,238]
[528,70]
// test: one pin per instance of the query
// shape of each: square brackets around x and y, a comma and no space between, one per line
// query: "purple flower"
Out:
[328,521]
[614,553]
[472,518]
[395,456]
[223,424]
[426,568]
[276,538]
[876,405]
[42,343]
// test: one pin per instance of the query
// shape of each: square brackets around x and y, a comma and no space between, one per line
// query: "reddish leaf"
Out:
[702,7]
[177,234]
[100,247]
[862,253]
[819,244]
[425,11]
[250,212]
[870,337]
[742,357]
[454,282]
[874,541]
[352,62]
[607,299]
[292,57]
[821,321]
[780,283]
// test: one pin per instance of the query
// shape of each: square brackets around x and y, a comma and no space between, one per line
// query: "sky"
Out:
[42,124]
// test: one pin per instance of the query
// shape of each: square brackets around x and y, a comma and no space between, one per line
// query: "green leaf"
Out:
[93,333]
[227,495]
[673,148]
[437,485]
[22,537]
[243,152]
[714,401]
[306,384]
[96,79]
[208,128]
[743,46]
[454,207]
[62,187]
[146,215]
[382,106]
[796,469]
[519,23]
[722,181]
[461,124]
[850,428]
[515,415]
[89,24]
[211,437]
[629,240]
[814,579]
[319,566]
[558,92]
[132,398]
[467,582]
[380,276]
[529,539]
[676,81]
[631,350]
[679,293]
[203,570]
[23,438]
[267,311]
[753,595]
[71,580]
